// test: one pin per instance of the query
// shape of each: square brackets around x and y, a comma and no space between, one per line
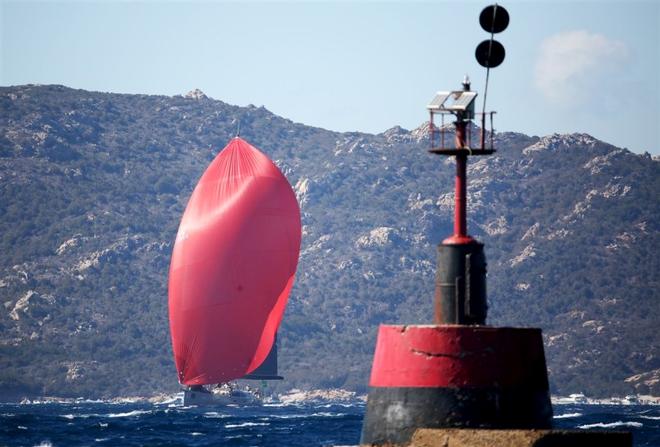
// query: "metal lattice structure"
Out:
[460,105]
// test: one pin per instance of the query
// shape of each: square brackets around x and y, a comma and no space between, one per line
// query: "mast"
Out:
[460,282]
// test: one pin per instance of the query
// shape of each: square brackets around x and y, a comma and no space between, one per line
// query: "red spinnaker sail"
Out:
[232,267]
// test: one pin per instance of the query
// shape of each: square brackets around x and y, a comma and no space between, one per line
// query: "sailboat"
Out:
[233,266]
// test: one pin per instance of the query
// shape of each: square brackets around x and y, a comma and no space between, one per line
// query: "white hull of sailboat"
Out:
[206,398]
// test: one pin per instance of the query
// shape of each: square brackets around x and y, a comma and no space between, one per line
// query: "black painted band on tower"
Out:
[393,414]
[460,284]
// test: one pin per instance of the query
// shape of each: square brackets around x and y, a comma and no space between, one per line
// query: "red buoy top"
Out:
[458,356]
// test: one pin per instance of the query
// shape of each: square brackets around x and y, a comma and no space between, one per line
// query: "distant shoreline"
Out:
[581,399]
[298,396]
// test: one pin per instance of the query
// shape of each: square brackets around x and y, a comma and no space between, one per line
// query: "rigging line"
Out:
[490,49]
[483,110]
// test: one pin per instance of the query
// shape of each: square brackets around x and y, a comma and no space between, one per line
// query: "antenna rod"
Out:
[490,50]
[460,199]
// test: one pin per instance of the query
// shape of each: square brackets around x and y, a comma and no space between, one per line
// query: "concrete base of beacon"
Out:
[518,438]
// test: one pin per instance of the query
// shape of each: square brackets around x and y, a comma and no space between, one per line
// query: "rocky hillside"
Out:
[92,186]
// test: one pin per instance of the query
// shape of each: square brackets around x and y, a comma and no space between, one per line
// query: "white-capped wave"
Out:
[215,415]
[128,414]
[160,399]
[327,414]
[653,418]
[81,416]
[127,400]
[101,439]
[22,427]
[44,444]
[27,401]
[168,399]
[196,433]
[246,424]
[345,405]
[46,400]
[173,401]
[567,415]
[612,425]
[320,414]
[103,424]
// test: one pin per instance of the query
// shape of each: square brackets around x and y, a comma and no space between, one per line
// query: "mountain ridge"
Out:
[94,184]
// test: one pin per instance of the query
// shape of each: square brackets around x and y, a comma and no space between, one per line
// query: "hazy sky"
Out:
[570,66]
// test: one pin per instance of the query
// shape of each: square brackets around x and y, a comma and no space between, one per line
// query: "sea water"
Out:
[317,423]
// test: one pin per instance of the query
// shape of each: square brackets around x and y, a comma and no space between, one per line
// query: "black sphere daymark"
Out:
[494,19]
[490,53]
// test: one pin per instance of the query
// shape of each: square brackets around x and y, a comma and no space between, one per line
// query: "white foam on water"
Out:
[46,400]
[215,415]
[175,399]
[653,418]
[164,399]
[320,414]
[196,433]
[81,416]
[567,415]
[327,414]
[246,424]
[103,424]
[345,405]
[22,427]
[288,416]
[612,425]
[126,400]
[41,402]
[44,444]
[101,439]
[128,414]
[62,400]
